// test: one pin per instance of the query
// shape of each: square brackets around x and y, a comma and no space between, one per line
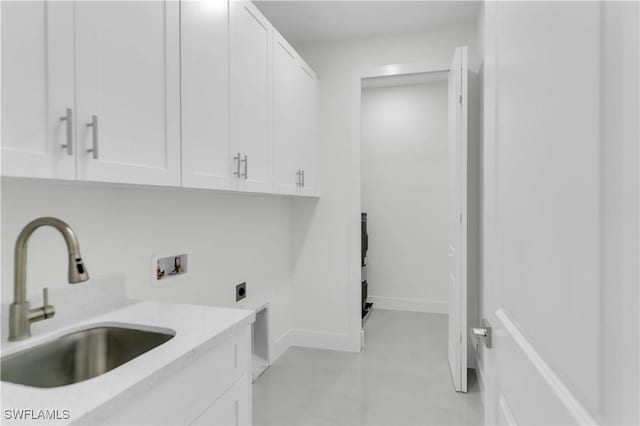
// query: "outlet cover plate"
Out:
[241,291]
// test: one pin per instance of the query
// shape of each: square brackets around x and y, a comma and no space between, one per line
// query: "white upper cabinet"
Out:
[306,96]
[294,121]
[286,146]
[206,156]
[37,90]
[127,91]
[251,57]
[194,93]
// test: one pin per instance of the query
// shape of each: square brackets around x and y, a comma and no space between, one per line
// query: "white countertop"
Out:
[197,329]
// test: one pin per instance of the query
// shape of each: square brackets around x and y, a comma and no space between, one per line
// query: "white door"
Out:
[251,57]
[286,144]
[127,91]
[457,347]
[561,213]
[37,89]
[307,133]
[205,94]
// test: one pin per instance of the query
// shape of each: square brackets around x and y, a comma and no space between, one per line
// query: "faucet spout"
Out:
[20,316]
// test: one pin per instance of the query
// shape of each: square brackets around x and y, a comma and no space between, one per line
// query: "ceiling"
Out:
[306,21]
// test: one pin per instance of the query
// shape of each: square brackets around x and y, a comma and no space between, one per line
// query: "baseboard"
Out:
[405,304]
[280,346]
[315,340]
[321,340]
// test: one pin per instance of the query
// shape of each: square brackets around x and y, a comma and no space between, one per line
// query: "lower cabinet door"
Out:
[232,408]
[185,395]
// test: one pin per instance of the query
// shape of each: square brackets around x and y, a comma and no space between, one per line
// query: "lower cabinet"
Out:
[232,408]
[214,389]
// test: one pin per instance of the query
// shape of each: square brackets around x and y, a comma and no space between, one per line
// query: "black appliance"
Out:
[364,244]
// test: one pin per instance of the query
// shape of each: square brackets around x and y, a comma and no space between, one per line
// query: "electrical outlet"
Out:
[241,291]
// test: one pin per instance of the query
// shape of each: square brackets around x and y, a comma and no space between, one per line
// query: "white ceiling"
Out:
[305,21]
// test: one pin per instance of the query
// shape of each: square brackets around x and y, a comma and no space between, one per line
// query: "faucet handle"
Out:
[48,310]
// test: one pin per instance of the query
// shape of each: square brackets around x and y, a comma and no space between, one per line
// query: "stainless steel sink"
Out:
[78,356]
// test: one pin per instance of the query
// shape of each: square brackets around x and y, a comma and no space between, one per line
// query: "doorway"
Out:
[404,191]
[403,181]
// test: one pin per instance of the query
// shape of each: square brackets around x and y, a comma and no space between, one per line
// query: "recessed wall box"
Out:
[169,267]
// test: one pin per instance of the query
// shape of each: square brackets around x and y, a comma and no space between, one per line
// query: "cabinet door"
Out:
[37,89]
[307,130]
[127,91]
[286,145]
[205,94]
[251,96]
[232,408]
[184,395]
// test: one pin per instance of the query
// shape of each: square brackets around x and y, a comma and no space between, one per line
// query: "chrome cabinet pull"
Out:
[246,167]
[236,158]
[94,136]
[303,178]
[298,178]
[68,117]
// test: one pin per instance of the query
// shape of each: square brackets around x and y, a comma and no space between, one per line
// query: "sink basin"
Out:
[78,356]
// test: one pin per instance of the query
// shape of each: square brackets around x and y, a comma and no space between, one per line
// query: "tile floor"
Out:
[400,378]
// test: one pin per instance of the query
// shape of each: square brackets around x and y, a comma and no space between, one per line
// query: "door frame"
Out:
[356,332]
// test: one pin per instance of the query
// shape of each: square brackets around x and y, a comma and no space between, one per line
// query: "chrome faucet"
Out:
[20,314]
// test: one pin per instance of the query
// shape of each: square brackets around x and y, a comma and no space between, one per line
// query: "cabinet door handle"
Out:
[303,178]
[94,136]
[237,160]
[245,160]
[68,117]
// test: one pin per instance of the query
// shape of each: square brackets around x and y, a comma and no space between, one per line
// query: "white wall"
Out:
[404,179]
[229,239]
[321,270]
